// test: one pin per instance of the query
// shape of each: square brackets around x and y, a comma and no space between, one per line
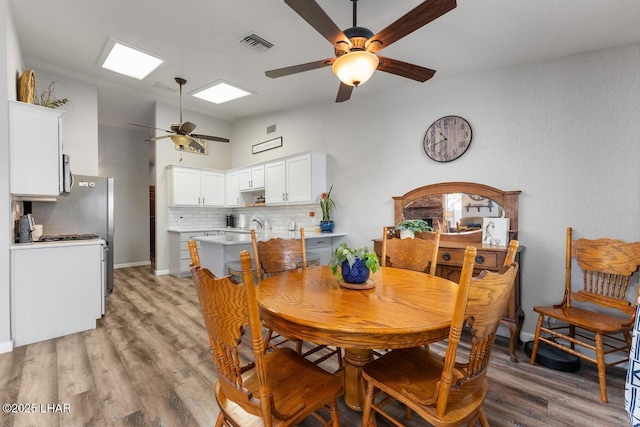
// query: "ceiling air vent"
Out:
[165,87]
[256,42]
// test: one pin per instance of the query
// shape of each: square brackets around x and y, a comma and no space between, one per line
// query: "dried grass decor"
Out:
[47,98]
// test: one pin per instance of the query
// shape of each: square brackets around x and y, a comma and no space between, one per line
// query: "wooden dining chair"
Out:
[604,315]
[277,255]
[281,388]
[411,254]
[193,251]
[449,390]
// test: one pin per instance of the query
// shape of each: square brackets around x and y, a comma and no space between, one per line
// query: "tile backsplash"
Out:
[278,216]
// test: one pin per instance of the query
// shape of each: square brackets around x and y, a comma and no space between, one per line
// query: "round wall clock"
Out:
[447,138]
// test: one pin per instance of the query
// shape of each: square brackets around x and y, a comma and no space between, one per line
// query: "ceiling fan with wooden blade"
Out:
[362,43]
[180,133]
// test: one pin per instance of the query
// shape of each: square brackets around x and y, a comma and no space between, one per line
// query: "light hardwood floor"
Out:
[148,363]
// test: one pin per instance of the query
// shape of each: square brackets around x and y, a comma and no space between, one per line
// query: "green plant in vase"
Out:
[326,203]
[353,265]
[408,228]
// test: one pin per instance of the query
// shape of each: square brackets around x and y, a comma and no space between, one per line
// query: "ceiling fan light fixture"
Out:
[183,140]
[356,67]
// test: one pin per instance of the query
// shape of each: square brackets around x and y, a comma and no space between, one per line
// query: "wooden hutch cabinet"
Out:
[429,200]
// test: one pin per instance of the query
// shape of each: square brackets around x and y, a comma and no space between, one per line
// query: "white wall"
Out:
[80,121]
[563,132]
[10,66]
[219,157]
[124,156]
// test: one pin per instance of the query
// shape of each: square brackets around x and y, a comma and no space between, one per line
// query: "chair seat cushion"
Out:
[587,319]
[417,370]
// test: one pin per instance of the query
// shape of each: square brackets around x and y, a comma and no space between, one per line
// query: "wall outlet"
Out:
[180,220]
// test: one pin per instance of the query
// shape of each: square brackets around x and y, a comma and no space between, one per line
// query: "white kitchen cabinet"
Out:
[213,185]
[35,135]
[296,180]
[179,256]
[232,193]
[321,247]
[56,289]
[252,179]
[195,187]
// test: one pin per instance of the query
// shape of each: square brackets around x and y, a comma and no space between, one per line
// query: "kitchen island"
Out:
[216,251]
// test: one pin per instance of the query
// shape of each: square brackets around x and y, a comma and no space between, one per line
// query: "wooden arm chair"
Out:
[411,254]
[281,388]
[277,255]
[449,390]
[193,251]
[602,323]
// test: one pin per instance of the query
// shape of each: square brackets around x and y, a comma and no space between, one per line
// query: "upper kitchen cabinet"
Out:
[297,179]
[232,196]
[35,144]
[195,187]
[252,179]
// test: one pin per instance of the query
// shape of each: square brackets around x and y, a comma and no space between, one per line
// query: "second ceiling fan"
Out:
[360,44]
[180,132]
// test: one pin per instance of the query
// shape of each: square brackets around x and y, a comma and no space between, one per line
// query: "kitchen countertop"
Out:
[192,229]
[60,243]
[235,238]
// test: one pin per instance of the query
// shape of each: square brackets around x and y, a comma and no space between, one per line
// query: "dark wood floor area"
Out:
[148,363]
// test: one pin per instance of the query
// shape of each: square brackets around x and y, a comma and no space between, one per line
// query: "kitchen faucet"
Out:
[260,223]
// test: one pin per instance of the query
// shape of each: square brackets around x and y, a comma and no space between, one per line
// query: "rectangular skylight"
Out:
[220,92]
[128,60]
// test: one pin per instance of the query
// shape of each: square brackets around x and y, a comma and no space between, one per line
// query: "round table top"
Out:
[405,308]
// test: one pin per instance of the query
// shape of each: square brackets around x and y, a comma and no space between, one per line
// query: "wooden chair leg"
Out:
[483,418]
[368,416]
[335,417]
[536,338]
[602,378]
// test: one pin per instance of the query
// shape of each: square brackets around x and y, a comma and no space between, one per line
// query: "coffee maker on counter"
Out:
[27,225]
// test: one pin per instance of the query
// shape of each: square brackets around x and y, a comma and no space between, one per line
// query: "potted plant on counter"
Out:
[353,265]
[326,203]
[409,227]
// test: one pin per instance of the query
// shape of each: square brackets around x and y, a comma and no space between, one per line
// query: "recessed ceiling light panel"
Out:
[128,60]
[220,92]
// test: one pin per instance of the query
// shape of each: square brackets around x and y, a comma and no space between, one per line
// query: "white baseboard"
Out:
[161,272]
[132,264]
[6,347]
[526,336]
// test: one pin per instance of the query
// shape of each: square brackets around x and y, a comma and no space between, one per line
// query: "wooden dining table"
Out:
[402,309]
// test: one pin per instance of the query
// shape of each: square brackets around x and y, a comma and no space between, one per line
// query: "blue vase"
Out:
[357,273]
[326,226]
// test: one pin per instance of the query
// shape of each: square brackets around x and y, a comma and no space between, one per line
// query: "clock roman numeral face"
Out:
[447,138]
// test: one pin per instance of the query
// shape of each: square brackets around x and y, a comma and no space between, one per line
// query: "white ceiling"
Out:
[200,39]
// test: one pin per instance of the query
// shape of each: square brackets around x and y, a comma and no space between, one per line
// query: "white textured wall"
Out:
[10,65]
[565,133]
[124,156]
[80,121]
